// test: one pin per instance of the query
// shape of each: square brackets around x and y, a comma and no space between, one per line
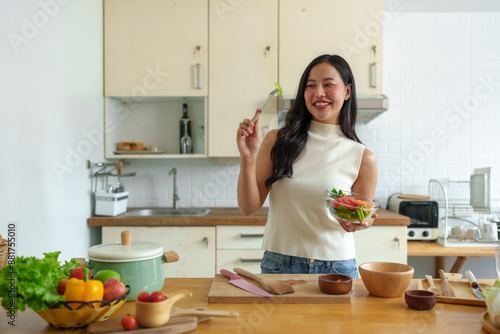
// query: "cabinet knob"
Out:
[197,49]
[397,239]
[205,241]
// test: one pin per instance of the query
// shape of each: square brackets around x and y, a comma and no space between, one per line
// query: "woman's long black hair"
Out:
[292,137]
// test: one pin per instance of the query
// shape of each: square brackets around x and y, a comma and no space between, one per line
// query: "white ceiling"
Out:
[442,5]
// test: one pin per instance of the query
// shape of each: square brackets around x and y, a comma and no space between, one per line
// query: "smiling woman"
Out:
[325,93]
[316,149]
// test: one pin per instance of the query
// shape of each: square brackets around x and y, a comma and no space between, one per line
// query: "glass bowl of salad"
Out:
[351,207]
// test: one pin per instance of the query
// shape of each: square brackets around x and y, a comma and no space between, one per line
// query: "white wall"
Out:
[51,95]
[51,99]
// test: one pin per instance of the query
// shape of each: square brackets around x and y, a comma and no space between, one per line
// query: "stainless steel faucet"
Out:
[176,198]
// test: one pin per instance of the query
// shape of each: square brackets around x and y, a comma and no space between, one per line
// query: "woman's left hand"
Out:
[351,227]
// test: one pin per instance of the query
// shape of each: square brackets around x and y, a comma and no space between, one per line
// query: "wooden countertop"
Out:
[221,216]
[425,248]
[365,314]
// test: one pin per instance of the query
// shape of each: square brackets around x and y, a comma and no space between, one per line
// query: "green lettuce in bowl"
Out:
[349,206]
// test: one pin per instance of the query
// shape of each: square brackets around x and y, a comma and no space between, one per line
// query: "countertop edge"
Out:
[223,217]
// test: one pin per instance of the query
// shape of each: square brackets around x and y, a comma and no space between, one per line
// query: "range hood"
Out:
[369,107]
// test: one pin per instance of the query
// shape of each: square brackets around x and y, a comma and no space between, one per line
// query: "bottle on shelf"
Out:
[186,146]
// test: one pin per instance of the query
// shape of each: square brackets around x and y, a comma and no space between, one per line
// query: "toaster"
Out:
[423,213]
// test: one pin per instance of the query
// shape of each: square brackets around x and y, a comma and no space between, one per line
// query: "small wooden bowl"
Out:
[155,314]
[386,279]
[335,284]
[420,299]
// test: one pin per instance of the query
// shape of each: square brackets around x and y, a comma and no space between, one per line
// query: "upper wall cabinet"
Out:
[352,29]
[243,69]
[155,48]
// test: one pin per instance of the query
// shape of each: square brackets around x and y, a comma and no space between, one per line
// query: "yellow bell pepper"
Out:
[85,290]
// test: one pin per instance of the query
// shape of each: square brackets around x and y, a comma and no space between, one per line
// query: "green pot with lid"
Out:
[140,264]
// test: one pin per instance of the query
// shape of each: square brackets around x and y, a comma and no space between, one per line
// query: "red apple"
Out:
[61,286]
[77,273]
[113,288]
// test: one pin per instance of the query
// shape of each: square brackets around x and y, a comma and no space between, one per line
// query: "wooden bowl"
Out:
[155,314]
[386,279]
[420,299]
[335,284]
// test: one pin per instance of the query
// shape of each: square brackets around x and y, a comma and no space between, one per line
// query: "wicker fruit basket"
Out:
[4,252]
[83,314]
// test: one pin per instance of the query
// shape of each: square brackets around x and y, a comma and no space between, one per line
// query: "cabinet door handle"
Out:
[205,241]
[397,239]
[250,235]
[198,76]
[374,74]
[267,51]
[250,260]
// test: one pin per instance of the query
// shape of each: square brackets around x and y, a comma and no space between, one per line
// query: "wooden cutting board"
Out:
[305,285]
[176,325]
[463,292]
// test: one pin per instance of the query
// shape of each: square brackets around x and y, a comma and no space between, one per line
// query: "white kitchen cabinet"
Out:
[239,246]
[155,48]
[243,67]
[205,250]
[160,48]
[309,28]
[194,244]
[381,244]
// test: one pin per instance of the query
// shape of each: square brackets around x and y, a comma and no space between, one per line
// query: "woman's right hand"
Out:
[248,138]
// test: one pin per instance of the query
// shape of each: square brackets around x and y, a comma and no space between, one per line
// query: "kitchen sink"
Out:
[168,212]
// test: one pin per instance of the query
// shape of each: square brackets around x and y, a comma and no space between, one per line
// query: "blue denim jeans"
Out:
[275,263]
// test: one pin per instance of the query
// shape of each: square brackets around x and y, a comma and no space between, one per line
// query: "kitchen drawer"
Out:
[248,259]
[240,237]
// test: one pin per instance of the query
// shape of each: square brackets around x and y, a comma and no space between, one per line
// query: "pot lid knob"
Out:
[126,237]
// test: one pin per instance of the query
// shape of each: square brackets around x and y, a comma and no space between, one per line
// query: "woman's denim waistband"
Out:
[276,263]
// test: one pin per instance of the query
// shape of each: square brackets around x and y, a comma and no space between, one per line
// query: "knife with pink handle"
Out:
[242,284]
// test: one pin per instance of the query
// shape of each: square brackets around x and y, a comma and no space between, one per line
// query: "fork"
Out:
[276,90]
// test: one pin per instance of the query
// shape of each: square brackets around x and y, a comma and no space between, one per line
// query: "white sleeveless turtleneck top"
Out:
[299,223]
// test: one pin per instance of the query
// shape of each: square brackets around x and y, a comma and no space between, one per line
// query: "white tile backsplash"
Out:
[459,53]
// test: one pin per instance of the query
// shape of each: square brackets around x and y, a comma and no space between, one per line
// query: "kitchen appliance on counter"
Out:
[110,204]
[110,200]
[423,213]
